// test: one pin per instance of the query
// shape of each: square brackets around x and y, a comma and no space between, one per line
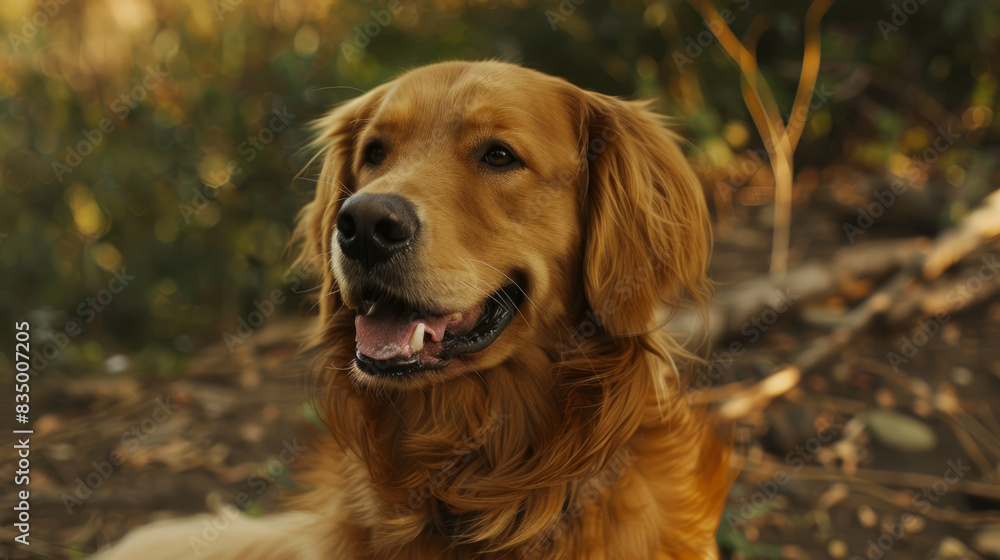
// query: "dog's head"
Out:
[467,210]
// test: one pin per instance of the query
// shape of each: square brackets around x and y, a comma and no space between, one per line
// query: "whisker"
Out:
[325,253]
[508,278]
[561,322]
[495,297]
[401,417]
[492,295]
[335,183]
[359,90]
[334,292]
[480,375]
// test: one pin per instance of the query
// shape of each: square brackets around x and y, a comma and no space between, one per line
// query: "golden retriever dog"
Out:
[498,247]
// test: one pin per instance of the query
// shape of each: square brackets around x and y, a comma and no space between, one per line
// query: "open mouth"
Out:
[397,339]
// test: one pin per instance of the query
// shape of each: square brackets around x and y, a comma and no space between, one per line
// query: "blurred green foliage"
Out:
[189,186]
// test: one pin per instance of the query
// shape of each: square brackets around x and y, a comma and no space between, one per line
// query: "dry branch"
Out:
[893,291]
[736,304]
[779,138]
[944,296]
[878,303]
[888,478]
[874,482]
[979,226]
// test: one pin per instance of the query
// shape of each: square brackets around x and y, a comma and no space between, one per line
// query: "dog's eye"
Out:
[375,154]
[498,156]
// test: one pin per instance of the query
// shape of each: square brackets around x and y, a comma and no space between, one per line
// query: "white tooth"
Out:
[417,340]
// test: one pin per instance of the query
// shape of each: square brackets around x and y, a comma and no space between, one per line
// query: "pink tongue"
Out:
[386,335]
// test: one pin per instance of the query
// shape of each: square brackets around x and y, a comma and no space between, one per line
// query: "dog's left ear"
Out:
[646,225]
[335,138]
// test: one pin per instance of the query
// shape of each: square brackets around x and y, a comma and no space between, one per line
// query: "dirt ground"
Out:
[860,460]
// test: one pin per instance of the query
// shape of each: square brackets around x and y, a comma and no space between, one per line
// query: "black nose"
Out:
[371,228]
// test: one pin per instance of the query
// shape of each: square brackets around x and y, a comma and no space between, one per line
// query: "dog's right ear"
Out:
[647,234]
[336,133]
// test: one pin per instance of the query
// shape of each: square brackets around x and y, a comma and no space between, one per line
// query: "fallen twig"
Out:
[944,296]
[979,226]
[736,304]
[873,482]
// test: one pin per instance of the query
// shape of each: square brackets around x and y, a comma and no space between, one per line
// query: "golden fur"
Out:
[569,437]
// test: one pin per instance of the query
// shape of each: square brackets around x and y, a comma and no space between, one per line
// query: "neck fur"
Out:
[492,458]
